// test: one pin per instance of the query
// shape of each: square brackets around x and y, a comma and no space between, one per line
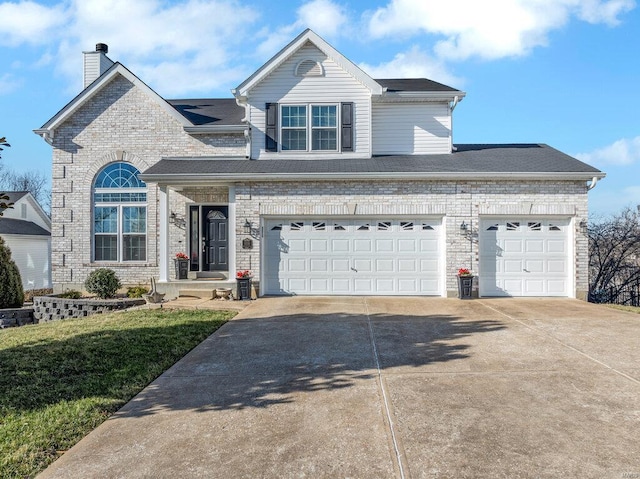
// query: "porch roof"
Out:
[469,161]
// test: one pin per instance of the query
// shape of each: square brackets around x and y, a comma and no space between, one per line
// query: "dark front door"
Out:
[215,228]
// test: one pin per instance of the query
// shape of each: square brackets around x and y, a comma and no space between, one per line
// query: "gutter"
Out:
[204,129]
[46,134]
[594,182]
[306,176]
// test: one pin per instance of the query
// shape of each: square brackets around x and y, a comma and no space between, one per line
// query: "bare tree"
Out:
[4,199]
[32,181]
[614,258]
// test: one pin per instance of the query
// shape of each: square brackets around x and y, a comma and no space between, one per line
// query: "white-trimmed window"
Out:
[119,215]
[309,127]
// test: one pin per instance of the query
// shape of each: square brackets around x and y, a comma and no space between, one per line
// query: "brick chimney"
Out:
[96,63]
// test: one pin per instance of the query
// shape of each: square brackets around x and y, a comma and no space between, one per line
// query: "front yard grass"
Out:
[59,380]
[631,309]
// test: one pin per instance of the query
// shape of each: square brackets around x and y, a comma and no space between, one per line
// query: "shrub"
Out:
[11,292]
[71,294]
[102,282]
[136,291]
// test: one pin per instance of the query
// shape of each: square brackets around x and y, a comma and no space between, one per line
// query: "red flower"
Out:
[464,272]
[181,256]
[242,274]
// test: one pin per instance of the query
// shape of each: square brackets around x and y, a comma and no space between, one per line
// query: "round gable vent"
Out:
[309,68]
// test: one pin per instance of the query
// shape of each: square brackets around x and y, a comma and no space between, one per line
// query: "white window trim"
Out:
[309,128]
[120,234]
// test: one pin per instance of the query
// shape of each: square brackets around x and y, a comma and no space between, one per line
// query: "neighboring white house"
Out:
[26,230]
[315,176]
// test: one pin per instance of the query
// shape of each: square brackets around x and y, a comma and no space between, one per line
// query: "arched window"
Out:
[119,214]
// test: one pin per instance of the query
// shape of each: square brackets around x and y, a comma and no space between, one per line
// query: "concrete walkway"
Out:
[380,387]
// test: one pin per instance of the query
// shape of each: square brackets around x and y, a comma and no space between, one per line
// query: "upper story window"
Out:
[309,127]
[119,214]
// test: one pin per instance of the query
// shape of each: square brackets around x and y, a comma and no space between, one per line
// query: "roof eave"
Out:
[423,96]
[186,179]
[205,129]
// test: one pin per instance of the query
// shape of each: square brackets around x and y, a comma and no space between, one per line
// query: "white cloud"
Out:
[328,19]
[324,17]
[413,64]
[181,47]
[29,22]
[604,201]
[489,29]
[622,152]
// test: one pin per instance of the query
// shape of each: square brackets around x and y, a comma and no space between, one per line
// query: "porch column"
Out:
[163,229]
[232,231]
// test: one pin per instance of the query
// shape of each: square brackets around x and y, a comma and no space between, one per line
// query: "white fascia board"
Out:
[89,92]
[308,35]
[419,96]
[191,179]
[205,129]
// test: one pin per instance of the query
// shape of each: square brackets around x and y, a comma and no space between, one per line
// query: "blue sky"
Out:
[561,72]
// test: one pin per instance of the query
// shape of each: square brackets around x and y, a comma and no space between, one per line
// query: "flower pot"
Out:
[182,268]
[465,287]
[244,289]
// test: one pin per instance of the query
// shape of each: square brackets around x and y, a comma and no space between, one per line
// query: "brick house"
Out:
[317,178]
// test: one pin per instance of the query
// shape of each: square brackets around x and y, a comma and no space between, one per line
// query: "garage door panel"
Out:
[556,246]
[407,246]
[319,265]
[340,285]
[340,245]
[384,245]
[362,246]
[363,265]
[358,256]
[534,246]
[297,246]
[385,265]
[407,266]
[557,266]
[512,246]
[297,265]
[524,257]
[319,246]
[340,265]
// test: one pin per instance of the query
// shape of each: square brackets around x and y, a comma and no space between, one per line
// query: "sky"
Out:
[561,72]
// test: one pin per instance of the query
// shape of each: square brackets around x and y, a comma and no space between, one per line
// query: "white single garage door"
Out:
[351,257]
[524,257]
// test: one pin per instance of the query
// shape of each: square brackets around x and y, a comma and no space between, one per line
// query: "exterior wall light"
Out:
[463,227]
[246,228]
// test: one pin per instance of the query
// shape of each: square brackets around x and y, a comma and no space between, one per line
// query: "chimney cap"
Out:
[102,47]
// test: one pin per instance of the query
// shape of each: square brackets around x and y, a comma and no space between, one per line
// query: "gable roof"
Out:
[307,36]
[15,195]
[12,226]
[470,161]
[47,130]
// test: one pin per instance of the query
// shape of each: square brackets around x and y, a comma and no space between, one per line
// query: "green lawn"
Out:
[60,380]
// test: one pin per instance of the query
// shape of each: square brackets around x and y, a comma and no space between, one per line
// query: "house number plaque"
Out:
[247,243]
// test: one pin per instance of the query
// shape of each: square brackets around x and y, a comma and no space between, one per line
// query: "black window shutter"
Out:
[346,130]
[271,130]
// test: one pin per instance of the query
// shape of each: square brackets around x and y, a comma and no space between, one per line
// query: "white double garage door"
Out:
[385,256]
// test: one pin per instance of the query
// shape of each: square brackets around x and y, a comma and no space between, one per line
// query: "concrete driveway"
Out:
[376,387]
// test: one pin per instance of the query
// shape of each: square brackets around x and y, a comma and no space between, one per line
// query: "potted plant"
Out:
[182,265]
[465,283]
[243,280]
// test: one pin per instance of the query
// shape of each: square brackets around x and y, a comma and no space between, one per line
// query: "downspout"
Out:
[455,102]
[594,182]
[47,135]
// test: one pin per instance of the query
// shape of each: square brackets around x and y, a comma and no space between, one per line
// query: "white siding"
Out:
[282,86]
[32,213]
[411,129]
[32,256]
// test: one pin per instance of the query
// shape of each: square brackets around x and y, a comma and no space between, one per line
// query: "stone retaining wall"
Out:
[10,318]
[51,308]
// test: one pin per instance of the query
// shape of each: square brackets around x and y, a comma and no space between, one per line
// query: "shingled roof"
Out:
[12,226]
[469,160]
[211,111]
